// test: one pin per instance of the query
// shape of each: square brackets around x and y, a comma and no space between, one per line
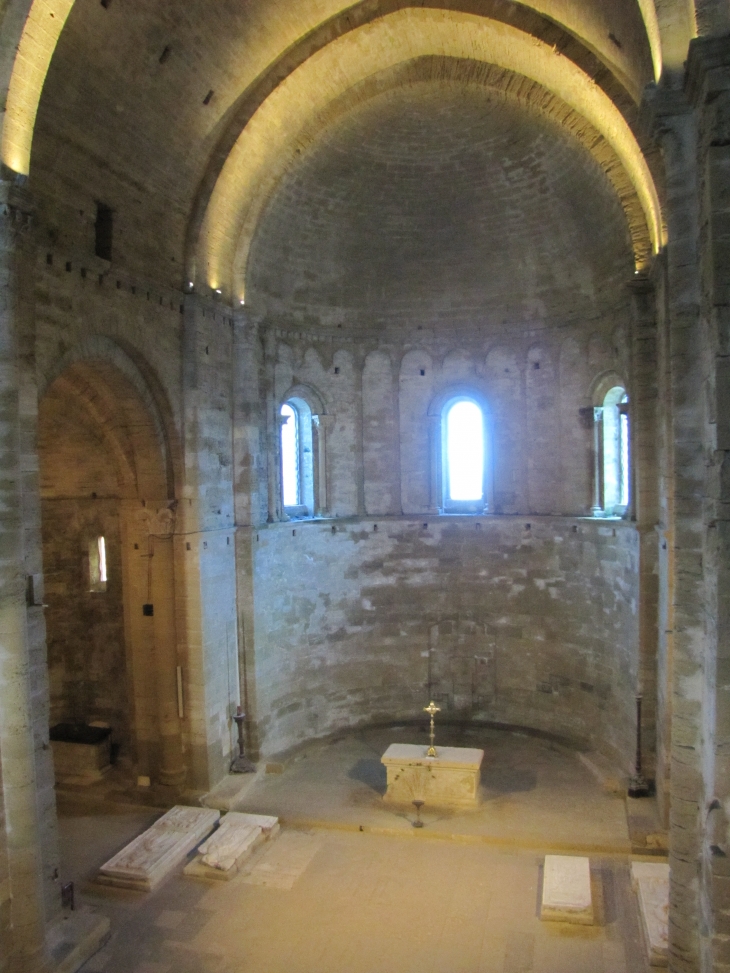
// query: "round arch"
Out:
[105,485]
[100,348]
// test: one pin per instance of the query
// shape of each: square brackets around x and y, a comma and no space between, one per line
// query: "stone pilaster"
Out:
[644,502]
[27,948]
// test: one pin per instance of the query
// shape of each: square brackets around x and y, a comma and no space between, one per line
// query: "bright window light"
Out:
[465,451]
[101,544]
[97,564]
[624,453]
[290,456]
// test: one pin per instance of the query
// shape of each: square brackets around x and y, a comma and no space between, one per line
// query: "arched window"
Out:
[615,418]
[464,456]
[297,472]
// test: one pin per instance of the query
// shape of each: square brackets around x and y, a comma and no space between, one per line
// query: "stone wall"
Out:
[522,622]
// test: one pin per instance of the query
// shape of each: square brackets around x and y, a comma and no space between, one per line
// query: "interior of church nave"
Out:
[361,366]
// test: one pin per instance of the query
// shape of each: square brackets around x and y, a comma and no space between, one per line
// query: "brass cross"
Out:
[432,709]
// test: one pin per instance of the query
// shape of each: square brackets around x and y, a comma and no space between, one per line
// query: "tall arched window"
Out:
[464,460]
[297,471]
[615,417]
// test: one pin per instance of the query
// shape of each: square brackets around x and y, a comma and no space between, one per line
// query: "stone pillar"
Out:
[435,484]
[597,508]
[28,951]
[273,442]
[250,503]
[674,125]
[708,87]
[644,501]
[161,529]
[322,425]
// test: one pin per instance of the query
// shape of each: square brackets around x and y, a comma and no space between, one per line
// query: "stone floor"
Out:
[459,896]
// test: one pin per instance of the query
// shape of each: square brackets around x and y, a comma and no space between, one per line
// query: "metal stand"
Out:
[418,805]
[638,785]
[241,764]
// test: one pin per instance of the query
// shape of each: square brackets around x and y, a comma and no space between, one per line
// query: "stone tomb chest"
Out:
[449,779]
[81,753]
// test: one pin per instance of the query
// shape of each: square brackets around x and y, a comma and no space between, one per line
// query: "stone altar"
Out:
[147,860]
[451,778]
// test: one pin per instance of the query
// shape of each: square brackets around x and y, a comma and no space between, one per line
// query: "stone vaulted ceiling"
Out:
[185,116]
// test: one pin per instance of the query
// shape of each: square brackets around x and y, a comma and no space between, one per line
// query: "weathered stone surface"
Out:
[449,778]
[147,860]
[650,882]
[566,890]
[222,854]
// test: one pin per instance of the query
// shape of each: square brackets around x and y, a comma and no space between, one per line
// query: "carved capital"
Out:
[158,523]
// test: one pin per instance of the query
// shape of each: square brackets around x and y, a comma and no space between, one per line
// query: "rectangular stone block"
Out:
[449,779]
[147,860]
[566,890]
[222,854]
[650,881]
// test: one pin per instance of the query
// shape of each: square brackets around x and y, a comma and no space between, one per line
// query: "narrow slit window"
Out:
[624,451]
[97,564]
[616,452]
[290,455]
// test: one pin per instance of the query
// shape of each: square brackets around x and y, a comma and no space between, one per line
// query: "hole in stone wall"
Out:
[334,529]
[528,526]
[83,273]
[68,267]
[337,371]
[187,546]
[119,285]
[206,100]
[293,533]
[536,364]
[375,527]
[423,371]
[103,231]
[49,259]
[105,3]
[165,54]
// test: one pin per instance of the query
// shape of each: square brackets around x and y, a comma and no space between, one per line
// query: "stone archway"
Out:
[112,646]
